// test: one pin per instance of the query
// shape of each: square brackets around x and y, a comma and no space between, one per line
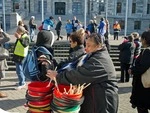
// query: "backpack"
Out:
[32,68]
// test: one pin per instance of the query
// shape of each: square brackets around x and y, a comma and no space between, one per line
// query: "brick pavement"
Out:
[14,103]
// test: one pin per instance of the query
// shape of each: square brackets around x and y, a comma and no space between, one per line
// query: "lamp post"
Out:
[106,9]
[126,18]
[42,9]
[85,9]
[4,19]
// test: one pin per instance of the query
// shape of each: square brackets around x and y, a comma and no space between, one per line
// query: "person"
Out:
[126,57]
[4,37]
[48,24]
[20,52]
[32,27]
[74,23]
[68,28]
[140,95]
[20,23]
[102,29]
[79,25]
[138,45]
[106,35]
[90,27]
[95,67]
[76,47]
[45,39]
[58,28]
[117,29]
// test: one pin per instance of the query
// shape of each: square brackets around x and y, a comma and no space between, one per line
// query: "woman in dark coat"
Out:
[140,97]
[126,57]
[76,47]
[97,68]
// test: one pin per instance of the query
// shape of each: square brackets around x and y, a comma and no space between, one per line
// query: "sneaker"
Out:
[21,87]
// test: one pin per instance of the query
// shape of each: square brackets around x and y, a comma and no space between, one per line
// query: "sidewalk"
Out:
[15,101]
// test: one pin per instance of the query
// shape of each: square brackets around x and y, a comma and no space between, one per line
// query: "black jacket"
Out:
[126,52]
[74,54]
[102,95]
[140,96]
[58,26]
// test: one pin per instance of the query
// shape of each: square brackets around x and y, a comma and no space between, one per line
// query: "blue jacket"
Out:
[47,24]
[102,28]
[68,28]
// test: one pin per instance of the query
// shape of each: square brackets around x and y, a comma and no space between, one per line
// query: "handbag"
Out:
[4,53]
[145,78]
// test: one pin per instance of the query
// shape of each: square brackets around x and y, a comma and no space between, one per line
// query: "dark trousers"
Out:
[116,34]
[124,72]
[58,34]
[142,110]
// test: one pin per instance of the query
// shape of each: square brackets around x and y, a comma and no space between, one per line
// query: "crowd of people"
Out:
[88,61]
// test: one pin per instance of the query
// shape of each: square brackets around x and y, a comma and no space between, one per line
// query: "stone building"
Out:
[138,11]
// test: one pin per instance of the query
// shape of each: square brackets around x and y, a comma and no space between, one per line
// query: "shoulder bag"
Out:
[145,78]
[4,53]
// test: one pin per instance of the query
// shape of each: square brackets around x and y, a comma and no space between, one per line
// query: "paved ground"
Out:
[15,101]
[16,98]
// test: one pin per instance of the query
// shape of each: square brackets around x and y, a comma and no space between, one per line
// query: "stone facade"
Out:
[137,21]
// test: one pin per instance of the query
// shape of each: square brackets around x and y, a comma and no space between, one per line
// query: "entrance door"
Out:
[60,8]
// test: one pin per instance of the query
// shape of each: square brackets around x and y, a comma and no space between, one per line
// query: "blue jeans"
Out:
[20,74]
[32,34]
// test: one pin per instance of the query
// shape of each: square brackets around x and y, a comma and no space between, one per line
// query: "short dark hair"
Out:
[146,36]
[51,17]
[76,38]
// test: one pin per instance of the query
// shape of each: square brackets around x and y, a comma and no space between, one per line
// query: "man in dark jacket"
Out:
[20,52]
[58,28]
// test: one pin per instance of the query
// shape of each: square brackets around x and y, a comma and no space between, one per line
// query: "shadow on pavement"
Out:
[4,104]
[123,90]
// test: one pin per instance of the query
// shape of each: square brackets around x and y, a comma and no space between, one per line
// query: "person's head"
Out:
[145,38]
[74,17]
[130,38]
[51,17]
[135,35]
[93,43]
[45,38]
[116,22]
[76,40]
[21,30]
[102,19]
[91,21]
[33,17]
[68,21]
[59,18]
[20,23]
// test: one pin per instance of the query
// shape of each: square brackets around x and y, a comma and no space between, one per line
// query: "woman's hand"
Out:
[51,74]
[130,71]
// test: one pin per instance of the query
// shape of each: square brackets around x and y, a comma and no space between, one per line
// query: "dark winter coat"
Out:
[126,52]
[140,96]
[102,95]
[73,55]
[58,26]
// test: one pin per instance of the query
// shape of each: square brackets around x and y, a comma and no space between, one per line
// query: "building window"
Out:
[148,8]
[1,6]
[137,25]
[16,5]
[25,4]
[119,5]
[133,7]
[122,24]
